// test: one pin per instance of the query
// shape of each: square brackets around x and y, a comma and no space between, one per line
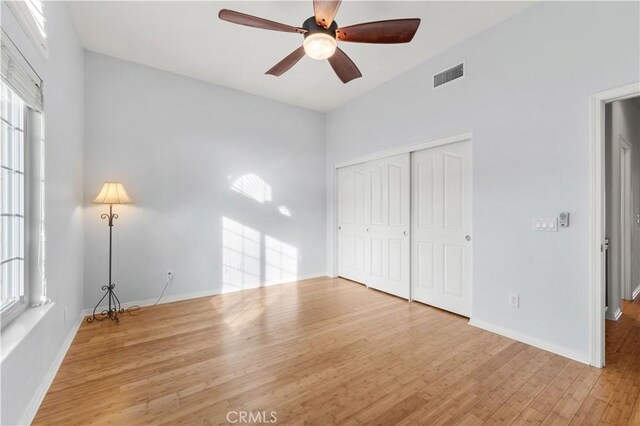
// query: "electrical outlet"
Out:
[514,300]
[301,259]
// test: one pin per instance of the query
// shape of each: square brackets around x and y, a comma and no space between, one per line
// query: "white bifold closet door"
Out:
[374,224]
[441,227]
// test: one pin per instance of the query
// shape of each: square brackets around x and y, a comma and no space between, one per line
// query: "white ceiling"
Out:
[188,38]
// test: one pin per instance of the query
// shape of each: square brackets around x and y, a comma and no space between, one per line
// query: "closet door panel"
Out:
[353,217]
[390,225]
[441,227]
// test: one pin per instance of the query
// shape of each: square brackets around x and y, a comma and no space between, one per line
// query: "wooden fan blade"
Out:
[325,11]
[344,66]
[286,64]
[254,21]
[392,31]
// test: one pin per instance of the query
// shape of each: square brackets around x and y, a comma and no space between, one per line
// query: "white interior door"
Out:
[353,217]
[441,227]
[389,224]
[625,219]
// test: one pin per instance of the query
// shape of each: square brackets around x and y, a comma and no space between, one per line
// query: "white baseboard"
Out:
[193,295]
[42,390]
[615,316]
[533,341]
[635,293]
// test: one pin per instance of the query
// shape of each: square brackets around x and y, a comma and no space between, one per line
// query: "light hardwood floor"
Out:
[329,351]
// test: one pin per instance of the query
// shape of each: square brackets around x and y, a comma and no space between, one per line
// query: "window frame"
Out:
[18,306]
[37,34]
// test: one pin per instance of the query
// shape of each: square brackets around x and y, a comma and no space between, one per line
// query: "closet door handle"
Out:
[468,238]
[404,233]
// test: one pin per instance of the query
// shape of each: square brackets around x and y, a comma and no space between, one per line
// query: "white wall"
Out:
[622,118]
[178,145]
[175,142]
[27,366]
[526,99]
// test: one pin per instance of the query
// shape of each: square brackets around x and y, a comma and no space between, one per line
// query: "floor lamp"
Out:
[111,193]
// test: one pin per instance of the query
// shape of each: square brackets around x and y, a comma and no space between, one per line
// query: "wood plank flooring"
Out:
[329,351]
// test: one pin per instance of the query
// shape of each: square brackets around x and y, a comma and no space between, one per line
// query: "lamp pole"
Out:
[114,303]
[111,193]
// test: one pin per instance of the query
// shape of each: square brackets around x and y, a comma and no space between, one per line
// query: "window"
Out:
[12,204]
[30,15]
[22,230]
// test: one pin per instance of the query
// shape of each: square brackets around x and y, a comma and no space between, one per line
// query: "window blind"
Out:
[19,75]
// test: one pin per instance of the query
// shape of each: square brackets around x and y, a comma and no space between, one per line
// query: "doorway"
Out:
[622,170]
[619,130]
[615,131]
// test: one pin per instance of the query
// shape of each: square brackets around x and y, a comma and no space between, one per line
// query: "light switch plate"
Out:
[545,224]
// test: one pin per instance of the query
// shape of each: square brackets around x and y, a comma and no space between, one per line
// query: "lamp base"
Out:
[114,310]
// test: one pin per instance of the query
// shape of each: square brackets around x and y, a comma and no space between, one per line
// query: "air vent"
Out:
[448,75]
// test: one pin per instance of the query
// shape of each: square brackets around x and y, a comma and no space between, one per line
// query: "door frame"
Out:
[625,217]
[405,149]
[597,216]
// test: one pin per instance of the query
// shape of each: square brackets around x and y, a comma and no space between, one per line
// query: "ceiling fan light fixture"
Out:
[320,36]
[319,45]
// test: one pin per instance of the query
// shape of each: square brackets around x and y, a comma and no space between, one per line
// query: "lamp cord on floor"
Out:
[136,309]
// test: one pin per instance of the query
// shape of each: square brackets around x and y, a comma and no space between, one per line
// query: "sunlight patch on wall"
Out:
[241,256]
[284,211]
[251,259]
[281,261]
[253,186]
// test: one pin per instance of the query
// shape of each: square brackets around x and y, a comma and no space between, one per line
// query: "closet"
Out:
[404,225]
[374,224]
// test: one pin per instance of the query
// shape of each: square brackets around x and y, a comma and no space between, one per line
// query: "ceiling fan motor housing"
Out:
[312,27]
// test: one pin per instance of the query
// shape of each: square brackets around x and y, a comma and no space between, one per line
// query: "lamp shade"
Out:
[112,193]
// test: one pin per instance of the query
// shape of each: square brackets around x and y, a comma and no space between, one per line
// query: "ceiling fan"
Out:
[321,34]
